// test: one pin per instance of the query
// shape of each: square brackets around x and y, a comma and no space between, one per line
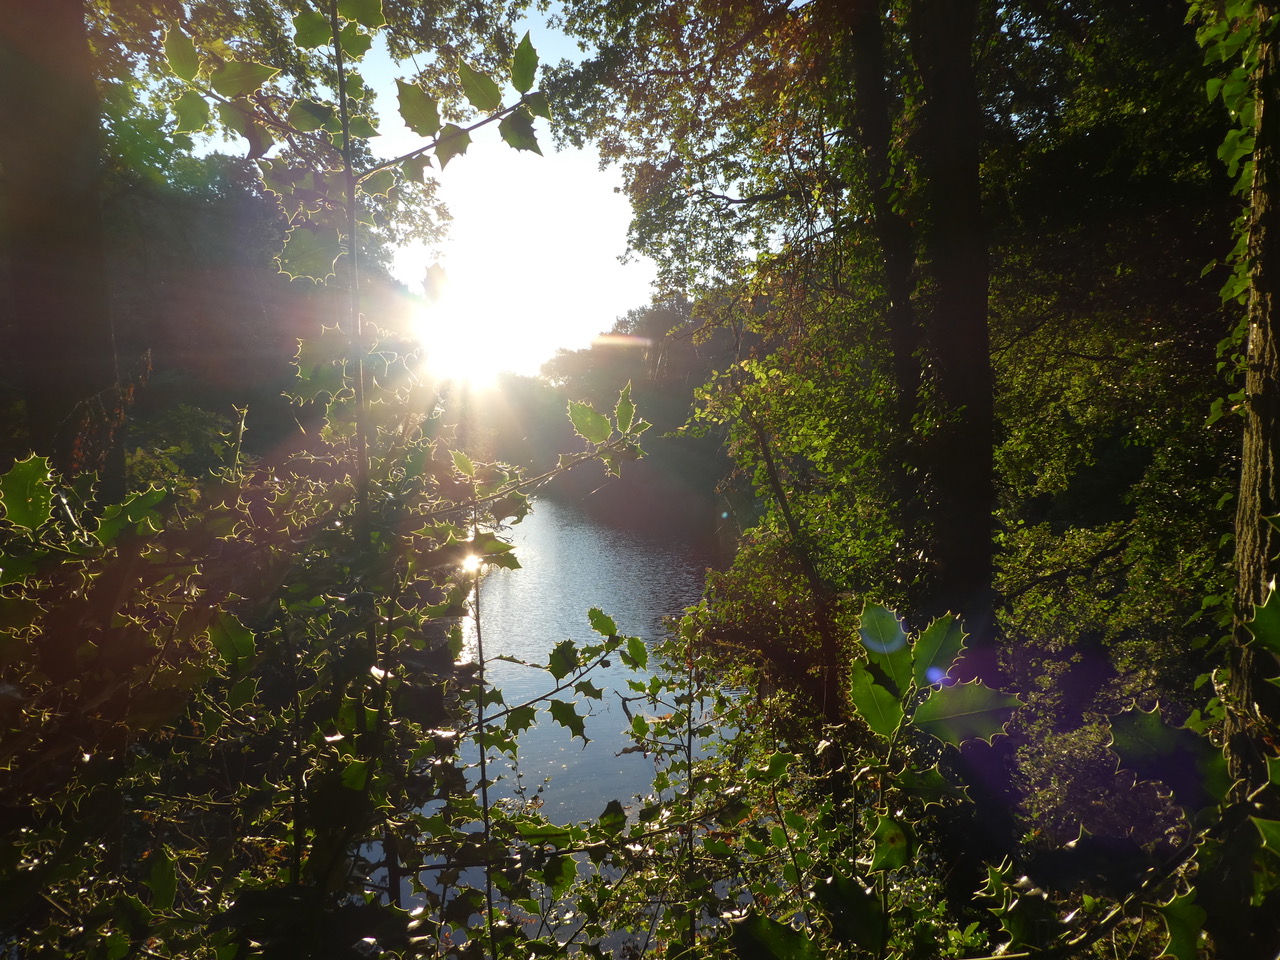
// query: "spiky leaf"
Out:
[26,493]
[966,711]
[1183,921]
[181,53]
[310,251]
[892,848]
[759,937]
[564,714]
[877,706]
[239,78]
[419,112]
[367,13]
[524,66]
[452,142]
[936,650]
[591,426]
[479,89]
[1181,759]
[517,130]
[311,29]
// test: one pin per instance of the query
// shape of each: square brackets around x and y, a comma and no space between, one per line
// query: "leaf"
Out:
[517,130]
[1181,759]
[26,493]
[162,879]
[563,660]
[588,689]
[1183,921]
[877,706]
[232,639]
[966,711]
[356,775]
[480,90]
[1265,625]
[181,53]
[537,104]
[624,413]
[892,847]
[591,426]
[415,168]
[524,66]
[881,630]
[772,770]
[936,650]
[614,818]
[1270,832]
[310,251]
[758,937]
[239,78]
[854,911]
[602,623]
[564,714]
[311,29]
[520,719]
[308,115]
[192,111]
[462,463]
[452,142]
[636,656]
[365,12]
[420,113]
[355,42]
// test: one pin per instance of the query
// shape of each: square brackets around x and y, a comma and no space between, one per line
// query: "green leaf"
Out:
[936,650]
[232,639]
[588,689]
[759,937]
[356,775]
[379,183]
[462,463]
[136,513]
[892,848]
[537,104]
[1183,921]
[966,711]
[563,660]
[517,130]
[181,53]
[636,656]
[365,12]
[452,142]
[524,66]
[420,113]
[480,90]
[591,426]
[192,111]
[1181,759]
[624,413]
[881,630]
[415,168]
[26,493]
[1265,625]
[310,251]
[239,78]
[162,879]
[773,769]
[854,911]
[564,714]
[311,29]
[520,719]
[308,115]
[614,818]
[877,706]
[602,623]
[355,42]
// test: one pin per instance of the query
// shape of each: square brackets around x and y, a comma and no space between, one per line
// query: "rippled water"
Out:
[571,563]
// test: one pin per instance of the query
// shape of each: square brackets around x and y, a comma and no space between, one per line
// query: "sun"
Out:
[458,344]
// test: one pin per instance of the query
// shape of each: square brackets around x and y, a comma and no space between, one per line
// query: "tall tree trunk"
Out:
[57,331]
[864,52]
[960,449]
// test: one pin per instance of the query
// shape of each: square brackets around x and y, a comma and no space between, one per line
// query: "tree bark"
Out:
[57,329]
[961,481]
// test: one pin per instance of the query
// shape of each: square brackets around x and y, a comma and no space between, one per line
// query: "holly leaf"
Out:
[1183,921]
[308,115]
[420,113]
[517,130]
[591,426]
[936,650]
[966,711]
[892,848]
[239,78]
[181,53]
[162,879]
[1265,625]
[232,639]
[537,104]
[854,911]
[520,719]
[886,642]
[614,818]
[480,90]
[311,28]
[524,66]
[636,656]
[192,111]
[355,42]
[452,142]
[367,13]
[602,623]
[310,251]
[1183,760]
[563,660]
[624,414]
[564,714]
[759,937]
[462,463]
[26,493]
[877,706]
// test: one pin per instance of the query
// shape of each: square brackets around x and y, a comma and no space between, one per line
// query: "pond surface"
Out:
[571,563]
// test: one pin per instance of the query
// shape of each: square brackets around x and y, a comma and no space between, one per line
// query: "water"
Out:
[571,563]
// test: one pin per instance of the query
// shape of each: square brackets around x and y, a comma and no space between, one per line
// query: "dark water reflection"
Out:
[571,563]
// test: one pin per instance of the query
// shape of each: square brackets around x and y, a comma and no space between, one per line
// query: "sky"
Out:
[532,256]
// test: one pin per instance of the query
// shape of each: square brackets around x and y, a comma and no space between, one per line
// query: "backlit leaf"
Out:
[355,43]
[307,115]
[624,413]
[1181,759]
[936,650]
[564,714]
[26,494]
[760,937]
[162,879]
[232,639]
[591,426]
[239,78]
[854,911]
[480,90]
[517,130]
[966,711]
[892,847]
[1265,625]
[537,104]
[452,142]
[877,706]
[311,29]
[1270,832]
[310,251]
[563,660]
[524,66]
[419,112]
[636,655]
[602,623]
[614,818]
[1183,921]
[192,111]
[462,463]
[365,12]
[181,53]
